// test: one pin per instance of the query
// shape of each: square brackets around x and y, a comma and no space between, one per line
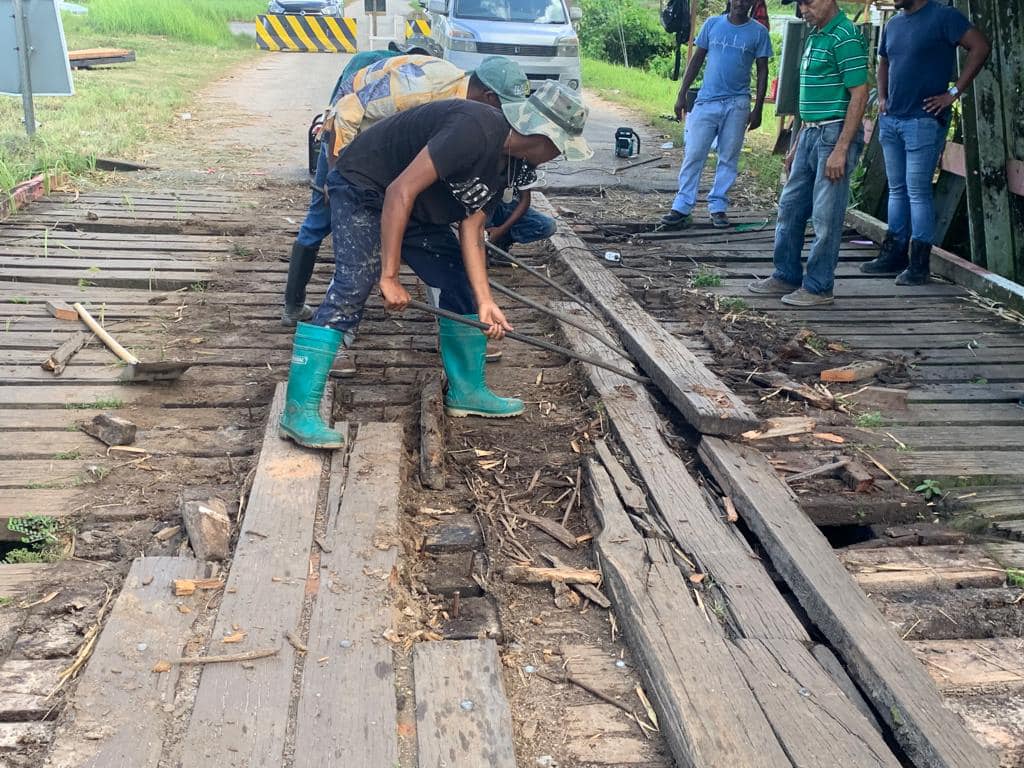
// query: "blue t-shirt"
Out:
[731,53]
[921,49]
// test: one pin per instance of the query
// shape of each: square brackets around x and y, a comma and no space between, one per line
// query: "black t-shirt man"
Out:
[465,140]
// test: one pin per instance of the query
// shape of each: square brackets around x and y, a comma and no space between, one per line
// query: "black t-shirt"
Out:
[465,140]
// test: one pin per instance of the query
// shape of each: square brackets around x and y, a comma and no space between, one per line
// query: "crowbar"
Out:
[531,340]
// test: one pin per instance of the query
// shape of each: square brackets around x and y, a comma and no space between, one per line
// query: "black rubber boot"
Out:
[300,270]
[892,258]
[920,261]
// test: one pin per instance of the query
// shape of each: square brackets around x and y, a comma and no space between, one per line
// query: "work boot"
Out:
[462,353]
[312,354]
[300,270]
[892,258]
[919,269]
[674,220]
[771,286]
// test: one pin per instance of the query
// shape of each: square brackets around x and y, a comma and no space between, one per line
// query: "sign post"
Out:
[33,54]
[21,35]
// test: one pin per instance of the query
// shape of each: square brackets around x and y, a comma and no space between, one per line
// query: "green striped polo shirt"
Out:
[835,59]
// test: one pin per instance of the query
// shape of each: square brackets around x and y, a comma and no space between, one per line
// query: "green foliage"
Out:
[704,278]
[19,300]
[1015,577]
[22,555]
[5,601]
[67,455]
[930,488]
[732,304]
[39,531]
[870,419]
[40,536]
[198,21]
[609,25]
[100,404]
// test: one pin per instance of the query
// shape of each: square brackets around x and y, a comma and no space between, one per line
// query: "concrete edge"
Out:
[950,266]
[27,191]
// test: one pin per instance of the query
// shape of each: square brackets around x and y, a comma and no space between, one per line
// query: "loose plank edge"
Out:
[883,666]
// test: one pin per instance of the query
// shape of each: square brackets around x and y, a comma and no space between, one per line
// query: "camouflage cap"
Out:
[504,77]
[418,44]
[554,110]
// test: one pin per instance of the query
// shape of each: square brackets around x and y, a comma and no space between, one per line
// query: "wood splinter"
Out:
[528,574]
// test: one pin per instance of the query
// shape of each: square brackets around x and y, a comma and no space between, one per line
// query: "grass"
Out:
[704,278]
[203,22]
[116,110]
[870,419]
[654,96]
[99,404]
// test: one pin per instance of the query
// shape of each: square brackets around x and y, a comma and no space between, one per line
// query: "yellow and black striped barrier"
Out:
[315,34]
[417,27]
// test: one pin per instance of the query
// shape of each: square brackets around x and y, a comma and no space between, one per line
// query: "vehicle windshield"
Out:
[528,11]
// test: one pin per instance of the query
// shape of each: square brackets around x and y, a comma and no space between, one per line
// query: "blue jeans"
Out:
[431,250]
[726,120]
[317,224]
[911,146]
[531,227]
[809,194]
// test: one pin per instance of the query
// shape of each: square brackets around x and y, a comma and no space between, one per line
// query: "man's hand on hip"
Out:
[936,105]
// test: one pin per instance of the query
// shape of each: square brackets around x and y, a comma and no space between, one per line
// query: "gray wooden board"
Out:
[110,397]
[974,329]
[926,341]
[993,502]
[112,278]
[691,676]
[700,396]
[751,597]
[240,714]
[72,473]
[65,419]
[815,721]
[960,438]
[120,707]
[450,732]
[991,372]
[904,570]
[25,685]
[32,502]
[994,467]
[848,287]
[347,713]
[156,442]
[971,394]
[17,580]
[876,658]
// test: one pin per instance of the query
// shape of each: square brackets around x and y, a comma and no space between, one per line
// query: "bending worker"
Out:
[394,193]
[388,87]
[317,224]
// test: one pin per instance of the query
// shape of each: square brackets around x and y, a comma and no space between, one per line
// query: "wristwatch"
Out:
[954,91]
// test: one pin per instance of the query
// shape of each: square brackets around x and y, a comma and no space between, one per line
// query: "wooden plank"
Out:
[20,502]
[749,595]
[680,651]
[240,715]
[991,502]
[21,579]
[960,438]
[120,708]
[876,658]
[974,666]
[347,713]
[908,569]
[700,396]
[25,685]
[432,433]
[966,393]
[156,442]
[981,467]
[815,721]
[630,493]
[107,397]
[463,719]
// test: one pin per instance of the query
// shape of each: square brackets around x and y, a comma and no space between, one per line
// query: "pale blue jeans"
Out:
[726,120]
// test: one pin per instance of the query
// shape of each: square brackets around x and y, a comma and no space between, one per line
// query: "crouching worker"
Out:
[394,193]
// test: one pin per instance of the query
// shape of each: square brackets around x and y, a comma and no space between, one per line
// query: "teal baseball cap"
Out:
[504,77]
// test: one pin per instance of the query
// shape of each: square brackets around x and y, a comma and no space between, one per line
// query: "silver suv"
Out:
[537,34]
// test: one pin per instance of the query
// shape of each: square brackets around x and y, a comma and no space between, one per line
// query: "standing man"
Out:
[731,44]
[916,60]
[833,94]
[394,194]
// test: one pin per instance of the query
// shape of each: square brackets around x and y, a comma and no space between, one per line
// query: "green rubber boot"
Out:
[312,354]
[462,353]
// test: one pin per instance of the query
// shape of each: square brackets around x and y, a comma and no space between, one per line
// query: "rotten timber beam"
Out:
[701,397]
[882,665]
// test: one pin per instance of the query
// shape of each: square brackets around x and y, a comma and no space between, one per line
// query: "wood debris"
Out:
[186,587]
[854,371]
[781,426]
